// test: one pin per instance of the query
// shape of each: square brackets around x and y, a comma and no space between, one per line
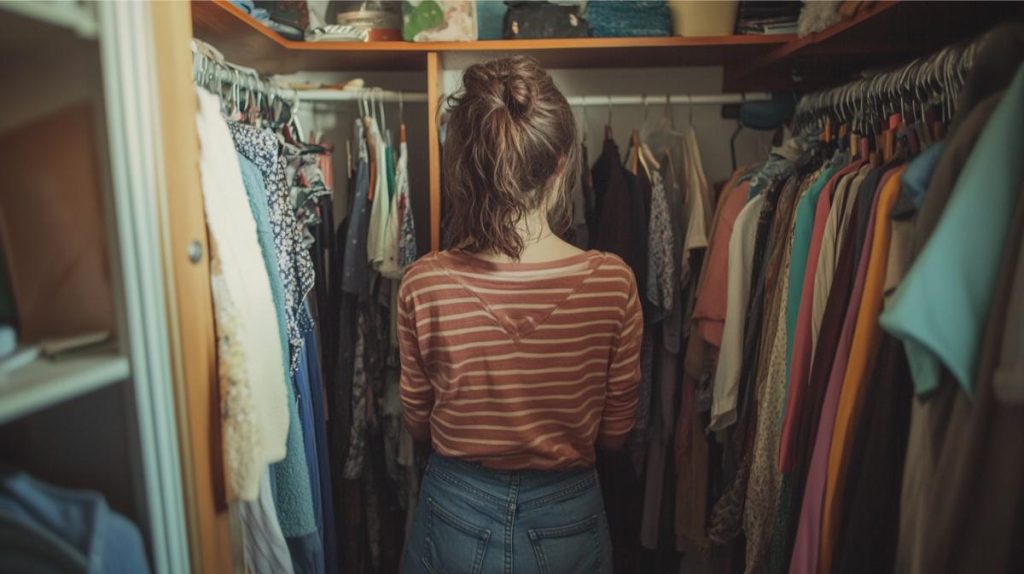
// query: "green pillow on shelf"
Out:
[439,21]
[420,16]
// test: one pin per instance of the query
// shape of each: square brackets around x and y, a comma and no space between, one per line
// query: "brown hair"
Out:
[510,131]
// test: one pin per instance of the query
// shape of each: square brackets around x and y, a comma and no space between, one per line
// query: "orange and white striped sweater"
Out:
[520,365]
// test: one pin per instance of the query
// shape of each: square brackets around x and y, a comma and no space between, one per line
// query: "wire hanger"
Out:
[401,118]
[383,116]
[608,126]
[584,122]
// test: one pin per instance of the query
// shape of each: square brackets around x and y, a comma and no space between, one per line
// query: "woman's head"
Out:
[510,152]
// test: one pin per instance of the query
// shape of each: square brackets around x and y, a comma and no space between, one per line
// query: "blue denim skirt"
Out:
[473,520]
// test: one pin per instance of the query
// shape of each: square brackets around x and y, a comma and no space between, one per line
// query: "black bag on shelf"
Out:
[530,20]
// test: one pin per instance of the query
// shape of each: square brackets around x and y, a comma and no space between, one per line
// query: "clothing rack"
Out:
[648,99]
[352,95]
[389,96]
[929,80]
[210,67]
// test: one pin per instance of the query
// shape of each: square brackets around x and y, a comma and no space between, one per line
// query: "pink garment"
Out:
[709,311]
[808,534]
[800,360]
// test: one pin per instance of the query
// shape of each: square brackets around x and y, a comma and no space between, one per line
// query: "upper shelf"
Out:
[247,42]
[888,33]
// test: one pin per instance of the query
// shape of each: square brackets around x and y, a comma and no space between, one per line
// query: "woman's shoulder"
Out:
[428,262]
[612,262]
[422,268]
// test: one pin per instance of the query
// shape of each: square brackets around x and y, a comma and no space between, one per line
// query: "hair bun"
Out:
[505,83]
[518,94]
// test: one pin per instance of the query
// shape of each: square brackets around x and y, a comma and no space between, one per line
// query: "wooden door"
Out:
[190,307]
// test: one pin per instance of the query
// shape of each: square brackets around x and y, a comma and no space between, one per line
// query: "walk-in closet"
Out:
[273,298]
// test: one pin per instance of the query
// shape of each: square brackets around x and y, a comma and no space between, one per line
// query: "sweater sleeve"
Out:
[416,391]
[623,376]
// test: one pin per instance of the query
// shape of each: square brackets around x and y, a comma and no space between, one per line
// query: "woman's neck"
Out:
[540,244]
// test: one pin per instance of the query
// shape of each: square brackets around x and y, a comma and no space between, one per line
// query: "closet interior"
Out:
[182,178]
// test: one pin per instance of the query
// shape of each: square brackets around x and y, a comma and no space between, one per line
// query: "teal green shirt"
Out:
[803,229]
[941,307]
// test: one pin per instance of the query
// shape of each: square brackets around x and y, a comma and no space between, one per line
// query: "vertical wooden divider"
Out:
[190,305]
[434,146]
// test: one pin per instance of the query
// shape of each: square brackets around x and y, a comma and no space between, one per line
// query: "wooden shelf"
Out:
[245,41]
[44,383]
[890,33]
[74,16]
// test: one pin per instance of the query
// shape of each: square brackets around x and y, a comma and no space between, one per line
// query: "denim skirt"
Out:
[473,520]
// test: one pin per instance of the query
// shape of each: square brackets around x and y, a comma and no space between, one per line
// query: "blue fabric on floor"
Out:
[44,528]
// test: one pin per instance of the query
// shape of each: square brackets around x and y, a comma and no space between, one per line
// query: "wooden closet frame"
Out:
[887,32]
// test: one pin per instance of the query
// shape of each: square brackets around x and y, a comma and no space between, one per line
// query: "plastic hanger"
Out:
[401,118]
[608,126]
[584,127]
[383,115]
[647,158]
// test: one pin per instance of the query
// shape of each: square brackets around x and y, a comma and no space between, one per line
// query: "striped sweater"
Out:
[520,365]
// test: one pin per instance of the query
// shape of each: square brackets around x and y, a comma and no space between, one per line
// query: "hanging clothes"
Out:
[408,250]
[922,464]
[725,386]
[292,477]
[765,481]
[622,216]
[294,263]
[263,546]
[251,368]
[380,196]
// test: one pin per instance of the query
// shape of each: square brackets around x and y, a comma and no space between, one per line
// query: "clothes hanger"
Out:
[383,115]
[372,141]
[647,158]
[372,107]
[586,122]
[364,112]
[401,117]
[660,139]
[608,126]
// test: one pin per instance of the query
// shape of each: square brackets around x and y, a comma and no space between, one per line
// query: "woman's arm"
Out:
[623,377]
[416,391]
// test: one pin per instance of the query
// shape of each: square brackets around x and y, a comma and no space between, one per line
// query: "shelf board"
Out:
[245,41]
[44,383]
[42,33]
[889,33]
[77,17]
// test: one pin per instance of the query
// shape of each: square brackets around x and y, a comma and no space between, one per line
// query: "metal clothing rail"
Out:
[211,69]
[580,101]
[654,99]
[934,79]
[357,94]
[388,96]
